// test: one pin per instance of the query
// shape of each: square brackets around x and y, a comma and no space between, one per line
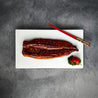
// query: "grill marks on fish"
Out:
[47,48]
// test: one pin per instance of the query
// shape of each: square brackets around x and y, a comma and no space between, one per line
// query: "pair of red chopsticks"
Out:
[74,37]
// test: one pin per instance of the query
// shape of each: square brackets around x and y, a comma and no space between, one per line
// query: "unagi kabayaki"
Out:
[47,48]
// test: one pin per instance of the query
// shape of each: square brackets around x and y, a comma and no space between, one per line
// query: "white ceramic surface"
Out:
[62,62]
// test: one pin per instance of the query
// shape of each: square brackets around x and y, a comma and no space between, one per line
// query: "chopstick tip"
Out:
[49,24]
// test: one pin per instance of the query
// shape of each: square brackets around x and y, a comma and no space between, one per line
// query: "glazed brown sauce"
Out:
[47,48]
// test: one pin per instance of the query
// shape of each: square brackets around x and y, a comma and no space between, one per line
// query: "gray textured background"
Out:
[48,83]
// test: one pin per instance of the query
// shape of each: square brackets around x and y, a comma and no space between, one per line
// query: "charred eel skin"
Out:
[47,48]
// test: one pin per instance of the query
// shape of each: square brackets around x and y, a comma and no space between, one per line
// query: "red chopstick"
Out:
[74,37]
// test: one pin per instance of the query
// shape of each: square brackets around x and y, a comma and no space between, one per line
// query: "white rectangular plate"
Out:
[61,62]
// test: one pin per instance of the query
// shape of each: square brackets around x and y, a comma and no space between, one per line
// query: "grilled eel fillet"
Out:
[47,48]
